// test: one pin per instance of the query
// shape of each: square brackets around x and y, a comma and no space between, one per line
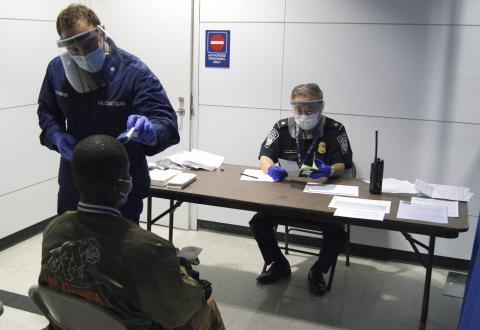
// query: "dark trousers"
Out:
[262,226]
[68,201]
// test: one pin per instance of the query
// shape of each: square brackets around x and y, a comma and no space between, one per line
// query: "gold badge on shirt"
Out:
[322,148]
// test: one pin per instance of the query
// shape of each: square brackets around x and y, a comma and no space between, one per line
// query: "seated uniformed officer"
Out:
[320,144]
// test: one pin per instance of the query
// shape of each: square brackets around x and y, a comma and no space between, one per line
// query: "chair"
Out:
[311,229]
[70,312]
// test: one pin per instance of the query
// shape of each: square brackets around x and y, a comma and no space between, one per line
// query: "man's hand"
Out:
[277,173]
[144,132]
[65,143]
[323,170]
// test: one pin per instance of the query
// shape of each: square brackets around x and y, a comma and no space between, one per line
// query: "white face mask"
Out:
[92,62]
[306,122]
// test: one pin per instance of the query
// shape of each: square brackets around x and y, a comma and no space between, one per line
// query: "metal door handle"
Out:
[181,106]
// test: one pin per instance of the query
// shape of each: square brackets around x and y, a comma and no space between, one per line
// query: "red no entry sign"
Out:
[217,42]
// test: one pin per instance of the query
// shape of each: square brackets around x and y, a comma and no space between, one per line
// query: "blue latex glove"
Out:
[65,143]
[144,132]
[324,170]
[277,173]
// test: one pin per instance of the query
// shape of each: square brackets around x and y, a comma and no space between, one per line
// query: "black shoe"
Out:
[276,271]
[316,283]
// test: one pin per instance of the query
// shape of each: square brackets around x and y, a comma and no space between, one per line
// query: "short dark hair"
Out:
[69,16]
[98,161]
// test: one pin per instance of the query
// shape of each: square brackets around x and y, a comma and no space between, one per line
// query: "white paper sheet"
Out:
[395,186]
[330,189]
[451,192]
[290,166]
[255,175]
[423,212]
[443,191]
[359,214]
[451,205]
[360,203]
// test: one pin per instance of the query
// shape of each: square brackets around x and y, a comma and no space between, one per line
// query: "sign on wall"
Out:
[217,49]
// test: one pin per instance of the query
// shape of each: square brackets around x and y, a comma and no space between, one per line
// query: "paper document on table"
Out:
[162,176]
[290,166]
[395,186]
[176,159]
[255,175]
[203,159]
[360,203]
[194,159]
[443,191]
[451,205]
[423,212]
[330,189]
[359,214]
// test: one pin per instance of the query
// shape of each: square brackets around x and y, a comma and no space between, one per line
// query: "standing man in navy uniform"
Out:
[319,145]
[94,87]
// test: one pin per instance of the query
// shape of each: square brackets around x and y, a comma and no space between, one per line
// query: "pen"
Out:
[250,176]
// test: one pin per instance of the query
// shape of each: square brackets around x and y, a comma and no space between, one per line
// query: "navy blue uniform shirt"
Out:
[331,147]
[131,89]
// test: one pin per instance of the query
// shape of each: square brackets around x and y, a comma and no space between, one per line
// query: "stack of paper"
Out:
[453,193]
[161,177]
[331,189]
[423,212]
[360,208]
[181,180]
[203,159]
[196,159]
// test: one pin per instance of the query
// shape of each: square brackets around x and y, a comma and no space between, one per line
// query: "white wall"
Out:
[408,68]
[28,186]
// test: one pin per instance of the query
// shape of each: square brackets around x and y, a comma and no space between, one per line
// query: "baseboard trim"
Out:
[21,235]
[359,250]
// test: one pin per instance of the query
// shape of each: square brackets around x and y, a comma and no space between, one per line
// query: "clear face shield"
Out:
[306,116]
[84,59]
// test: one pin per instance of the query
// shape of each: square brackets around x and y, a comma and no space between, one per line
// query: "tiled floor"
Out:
[369,294]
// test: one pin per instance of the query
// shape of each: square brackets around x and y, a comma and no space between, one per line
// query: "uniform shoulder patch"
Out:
[343,141]
[272,136]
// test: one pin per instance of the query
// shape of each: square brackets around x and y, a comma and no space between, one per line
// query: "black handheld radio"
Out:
[376,171]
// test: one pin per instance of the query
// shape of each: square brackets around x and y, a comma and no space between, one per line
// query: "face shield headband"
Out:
[306,107]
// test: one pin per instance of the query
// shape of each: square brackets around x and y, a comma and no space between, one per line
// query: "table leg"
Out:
[170,224]
[149,213]
[428,280]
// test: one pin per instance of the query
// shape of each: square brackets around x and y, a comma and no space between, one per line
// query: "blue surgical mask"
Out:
[307,122]
[92,62]
[124,193]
